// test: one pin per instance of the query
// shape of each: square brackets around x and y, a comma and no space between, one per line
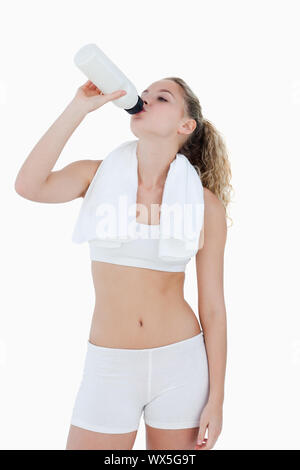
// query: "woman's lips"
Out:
[140,112]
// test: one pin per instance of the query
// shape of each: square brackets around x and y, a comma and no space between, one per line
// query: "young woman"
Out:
[146,351]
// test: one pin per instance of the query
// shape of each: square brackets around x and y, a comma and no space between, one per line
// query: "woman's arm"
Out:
[35,180]
[35,171]
[212,311]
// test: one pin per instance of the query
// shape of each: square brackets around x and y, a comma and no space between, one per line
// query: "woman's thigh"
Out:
[178,387]
[110,399]
[82,439]
[179,439]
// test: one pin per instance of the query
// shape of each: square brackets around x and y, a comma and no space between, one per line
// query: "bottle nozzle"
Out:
[137,108]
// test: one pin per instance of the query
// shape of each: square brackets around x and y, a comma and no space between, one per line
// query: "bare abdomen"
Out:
[139,308]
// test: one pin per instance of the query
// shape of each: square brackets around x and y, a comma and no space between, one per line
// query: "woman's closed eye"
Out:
[162,98]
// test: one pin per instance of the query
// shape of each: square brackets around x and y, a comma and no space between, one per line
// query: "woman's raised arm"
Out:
[36,180]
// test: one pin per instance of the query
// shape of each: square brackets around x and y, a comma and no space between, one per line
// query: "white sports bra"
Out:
[141,253]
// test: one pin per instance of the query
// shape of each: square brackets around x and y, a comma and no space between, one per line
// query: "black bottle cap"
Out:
[137,108]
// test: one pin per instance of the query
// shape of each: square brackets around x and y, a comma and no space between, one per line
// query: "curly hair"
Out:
[205,148]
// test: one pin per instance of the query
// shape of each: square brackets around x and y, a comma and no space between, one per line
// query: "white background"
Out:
[241,58]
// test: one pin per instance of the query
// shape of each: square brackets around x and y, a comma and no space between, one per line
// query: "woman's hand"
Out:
[89,97]
[211,417]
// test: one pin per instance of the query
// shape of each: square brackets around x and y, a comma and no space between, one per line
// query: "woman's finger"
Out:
[212,438]
[202,443]
[201,433]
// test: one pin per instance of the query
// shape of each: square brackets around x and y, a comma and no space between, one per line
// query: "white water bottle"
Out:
[108,77]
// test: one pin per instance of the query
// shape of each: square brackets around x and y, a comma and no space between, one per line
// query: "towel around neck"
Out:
[108,211]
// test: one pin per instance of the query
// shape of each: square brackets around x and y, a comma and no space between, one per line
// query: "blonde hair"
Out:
[205,148]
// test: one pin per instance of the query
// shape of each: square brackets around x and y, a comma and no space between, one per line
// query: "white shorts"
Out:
[170,384]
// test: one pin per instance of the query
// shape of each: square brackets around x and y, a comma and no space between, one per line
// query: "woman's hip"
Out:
[169,383]
[177,362]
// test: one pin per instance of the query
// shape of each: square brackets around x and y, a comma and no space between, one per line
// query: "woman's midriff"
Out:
[138,308]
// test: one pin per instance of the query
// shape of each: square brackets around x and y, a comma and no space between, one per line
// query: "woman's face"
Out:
[164,111]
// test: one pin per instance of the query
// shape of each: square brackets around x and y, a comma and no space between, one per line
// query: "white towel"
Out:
[108,212]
